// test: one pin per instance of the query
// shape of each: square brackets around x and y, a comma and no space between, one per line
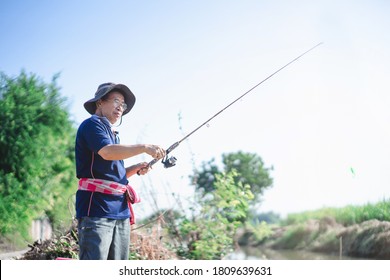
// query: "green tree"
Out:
[36,152]
[250,171]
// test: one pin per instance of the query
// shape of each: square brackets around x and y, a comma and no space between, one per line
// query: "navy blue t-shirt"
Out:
[93,134]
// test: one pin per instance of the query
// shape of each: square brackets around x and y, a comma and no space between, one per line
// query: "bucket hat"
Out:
[106,88]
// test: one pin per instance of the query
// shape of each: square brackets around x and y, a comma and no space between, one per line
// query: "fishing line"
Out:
[171,161]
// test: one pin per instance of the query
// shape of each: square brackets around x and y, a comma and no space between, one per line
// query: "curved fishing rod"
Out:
[171,161]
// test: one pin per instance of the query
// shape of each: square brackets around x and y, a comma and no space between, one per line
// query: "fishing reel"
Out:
[169,161]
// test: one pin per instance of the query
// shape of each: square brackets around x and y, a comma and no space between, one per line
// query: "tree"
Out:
[250,169]
[36,151]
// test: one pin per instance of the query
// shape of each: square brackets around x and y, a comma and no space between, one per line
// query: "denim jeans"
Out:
[103,239]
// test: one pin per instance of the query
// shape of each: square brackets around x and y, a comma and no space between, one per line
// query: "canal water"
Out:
[261,253]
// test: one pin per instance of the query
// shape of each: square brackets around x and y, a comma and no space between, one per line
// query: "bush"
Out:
[210,235]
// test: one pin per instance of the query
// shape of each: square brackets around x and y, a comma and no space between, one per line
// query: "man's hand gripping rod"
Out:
[169,162]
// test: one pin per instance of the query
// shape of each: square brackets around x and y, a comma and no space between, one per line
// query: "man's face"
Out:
[112,108]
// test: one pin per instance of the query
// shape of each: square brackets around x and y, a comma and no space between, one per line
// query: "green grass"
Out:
[348,215]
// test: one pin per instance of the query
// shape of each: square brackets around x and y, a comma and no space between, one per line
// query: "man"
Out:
[104,197]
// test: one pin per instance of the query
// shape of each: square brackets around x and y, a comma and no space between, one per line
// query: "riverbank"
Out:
[369,239]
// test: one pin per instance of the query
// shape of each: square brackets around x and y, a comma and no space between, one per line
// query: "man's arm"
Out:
[121,152]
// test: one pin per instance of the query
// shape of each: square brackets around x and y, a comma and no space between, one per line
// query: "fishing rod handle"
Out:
[152,162]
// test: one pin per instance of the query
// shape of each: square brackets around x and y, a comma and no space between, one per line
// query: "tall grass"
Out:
[348,215]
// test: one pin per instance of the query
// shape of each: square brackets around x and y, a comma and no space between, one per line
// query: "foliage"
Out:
[250,171]
[64,246]
[260,230]
[36,151]
[348,215]
[209,235]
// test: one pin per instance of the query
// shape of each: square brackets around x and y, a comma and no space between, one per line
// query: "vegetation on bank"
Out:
[356,231]
[346,216]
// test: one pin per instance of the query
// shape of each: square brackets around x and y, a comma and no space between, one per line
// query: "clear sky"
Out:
[322,123]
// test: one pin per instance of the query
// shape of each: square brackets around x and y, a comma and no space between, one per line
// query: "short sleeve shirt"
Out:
[94,134]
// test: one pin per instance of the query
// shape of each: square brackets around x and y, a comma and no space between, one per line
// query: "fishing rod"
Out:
[171,161]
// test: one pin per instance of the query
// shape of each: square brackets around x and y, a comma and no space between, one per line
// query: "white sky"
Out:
[313,122]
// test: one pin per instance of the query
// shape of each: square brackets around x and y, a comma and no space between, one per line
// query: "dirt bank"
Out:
[370,239]
[12,255]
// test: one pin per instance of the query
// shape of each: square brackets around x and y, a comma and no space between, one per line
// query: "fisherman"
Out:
[104,196]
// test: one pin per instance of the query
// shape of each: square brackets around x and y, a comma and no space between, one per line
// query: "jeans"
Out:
[103,239]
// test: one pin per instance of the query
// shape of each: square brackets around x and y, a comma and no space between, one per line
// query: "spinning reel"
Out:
[169,161]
